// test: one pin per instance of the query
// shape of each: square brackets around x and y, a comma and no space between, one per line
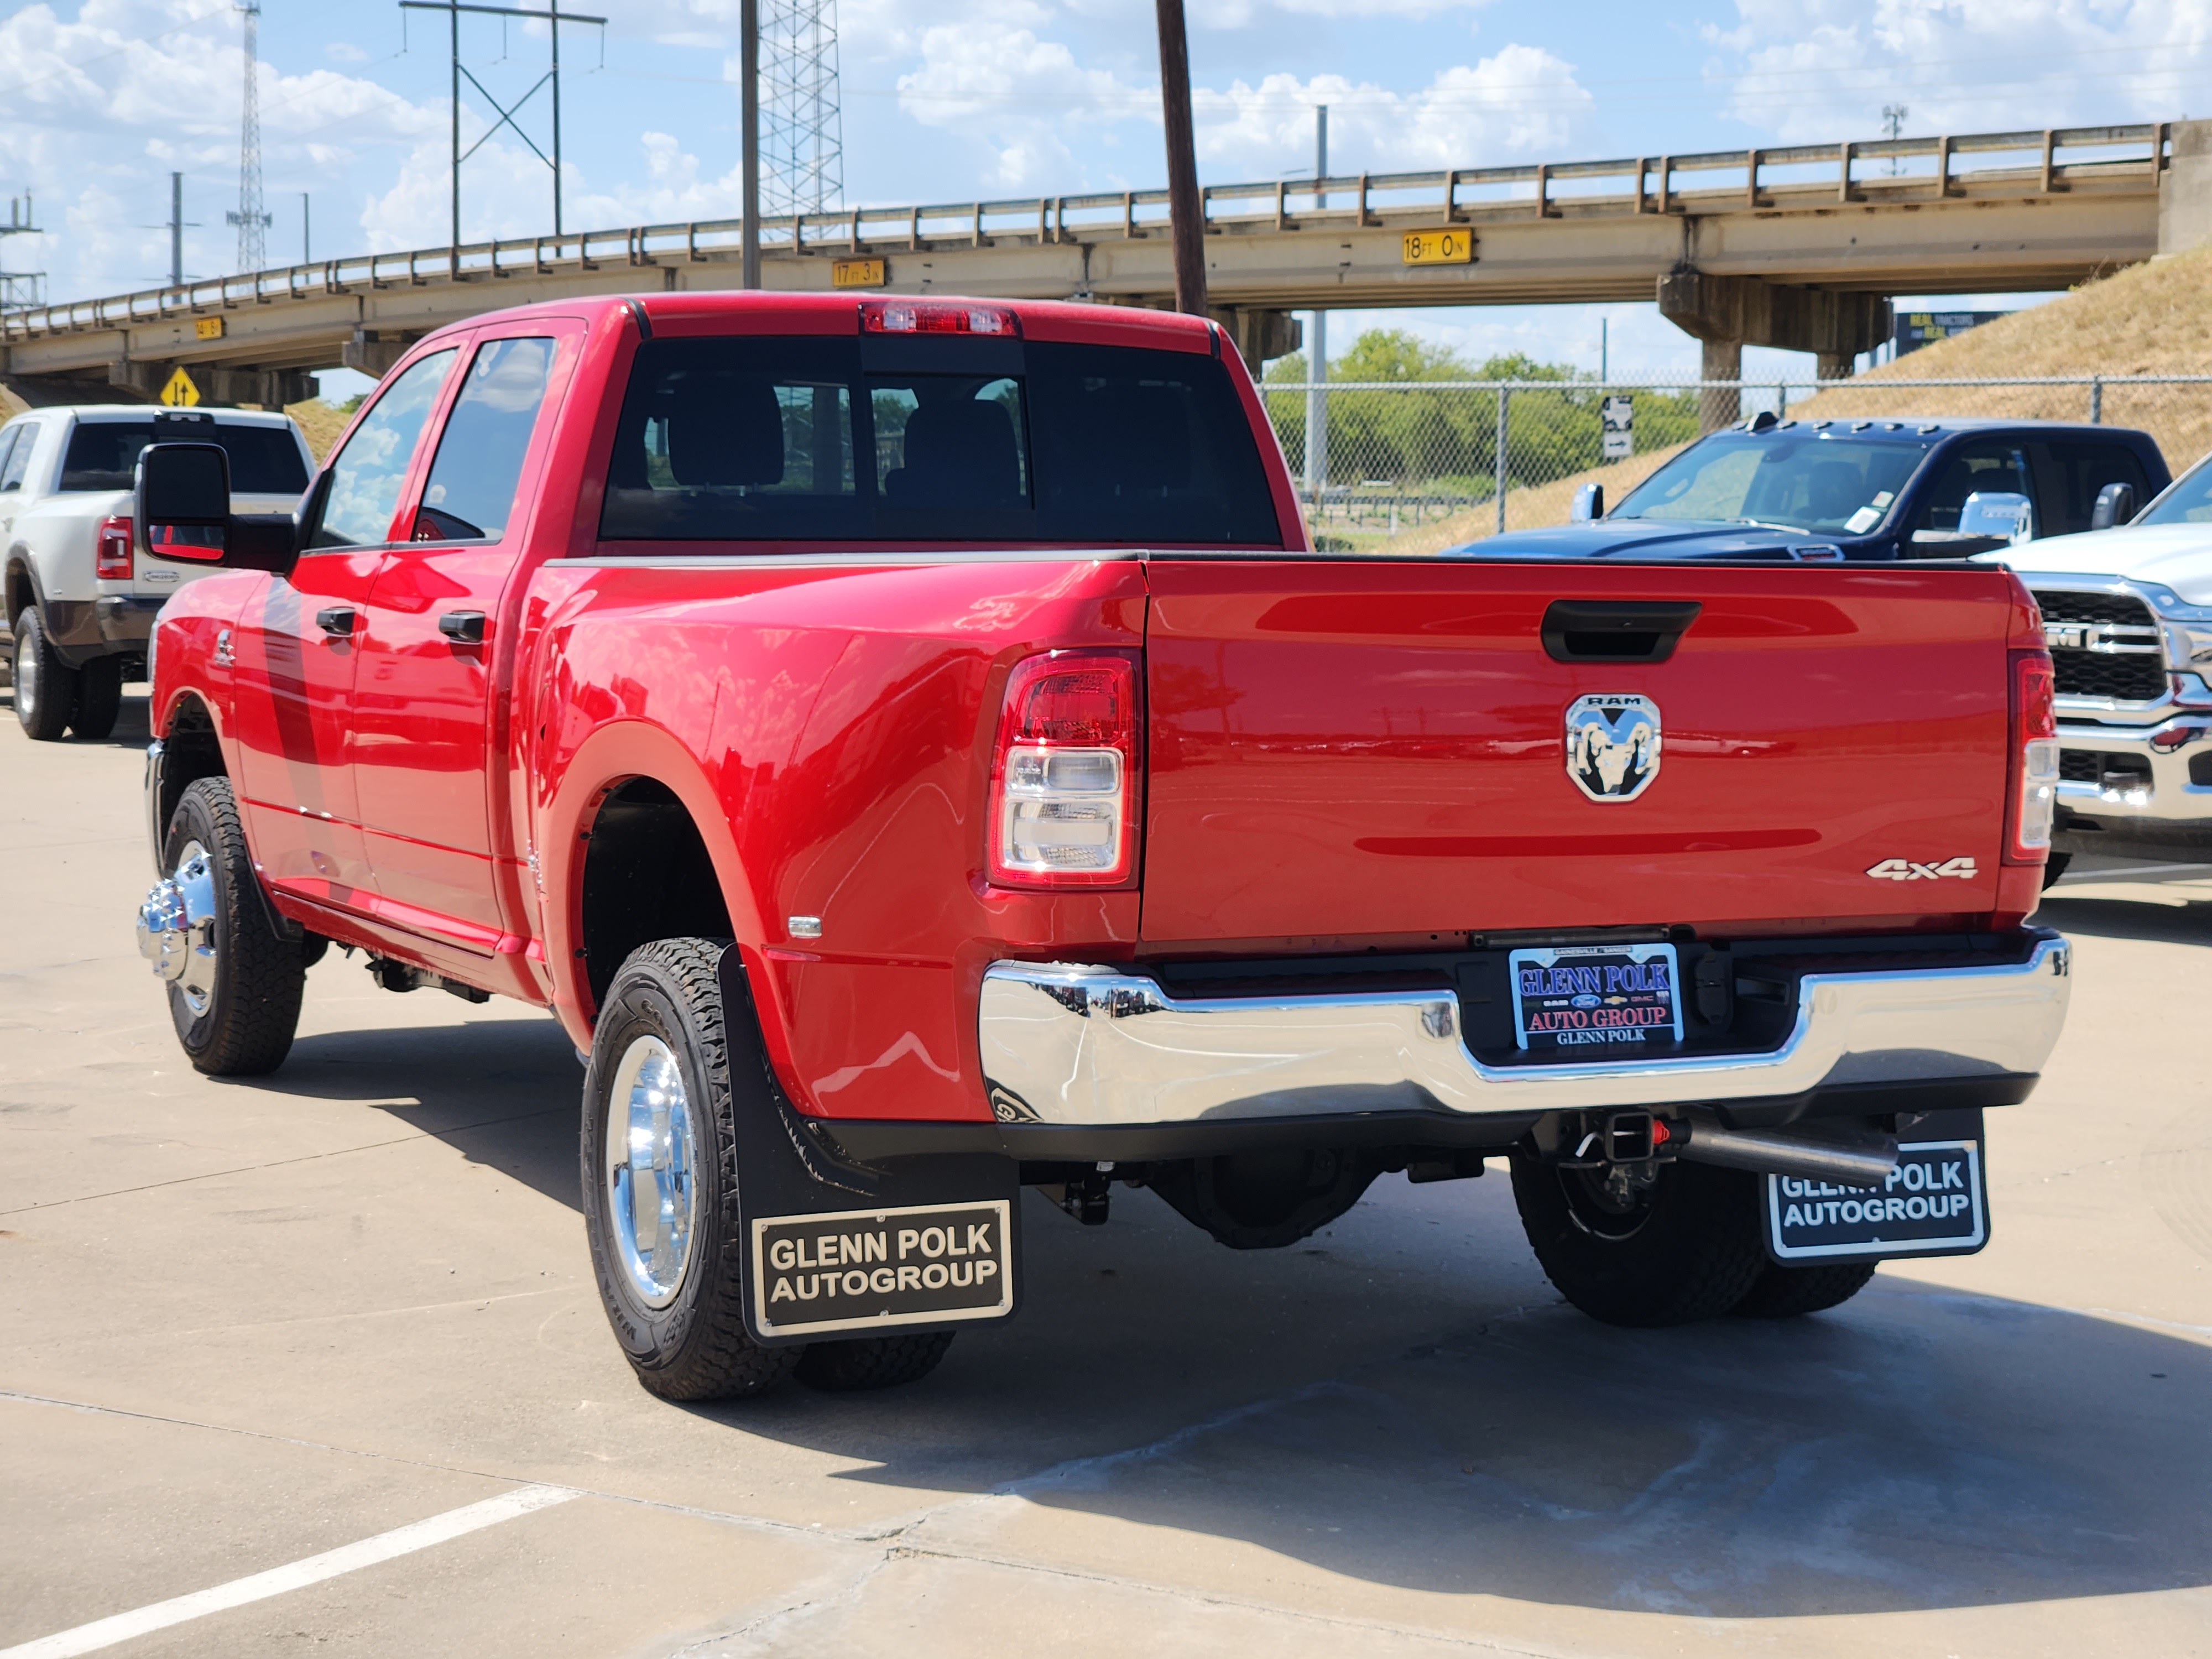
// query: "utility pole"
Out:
[749,253]
[1317,357]
[176,230]
[307,232]
[553,17]
[1893,117]
[250,220]
[1186,208]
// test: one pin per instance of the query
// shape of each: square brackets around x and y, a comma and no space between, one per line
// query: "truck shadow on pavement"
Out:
[1402,1400]
[2153,921]
[502,1092]
[1920,1449]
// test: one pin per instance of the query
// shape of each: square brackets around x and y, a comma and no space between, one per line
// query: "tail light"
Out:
[2035,744]
[110,558]
[1065,776]
[937,317]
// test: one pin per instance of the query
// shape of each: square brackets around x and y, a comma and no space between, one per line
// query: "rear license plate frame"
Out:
[1594,1043]
[778,1295]
[1954,1174]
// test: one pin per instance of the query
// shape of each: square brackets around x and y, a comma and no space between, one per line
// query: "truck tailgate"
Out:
[1339,747]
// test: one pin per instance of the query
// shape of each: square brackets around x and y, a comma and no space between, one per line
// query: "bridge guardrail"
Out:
[2123,159]
[1411,467]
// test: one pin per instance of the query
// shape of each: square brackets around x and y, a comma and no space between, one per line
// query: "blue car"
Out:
[1858,489]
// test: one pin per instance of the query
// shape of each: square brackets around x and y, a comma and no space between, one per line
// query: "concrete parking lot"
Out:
[249,1323]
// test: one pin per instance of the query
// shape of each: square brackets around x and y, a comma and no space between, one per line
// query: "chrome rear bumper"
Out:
[1070,1044]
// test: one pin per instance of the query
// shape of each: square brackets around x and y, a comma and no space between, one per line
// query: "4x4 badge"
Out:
[1907,870]
[1612,744]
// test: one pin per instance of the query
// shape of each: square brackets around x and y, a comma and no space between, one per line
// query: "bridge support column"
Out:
[1719,360]
[2184,189]
[1729,312]
[218,383]
[370,355]
[1260,336]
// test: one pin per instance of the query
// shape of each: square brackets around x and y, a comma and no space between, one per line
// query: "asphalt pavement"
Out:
[313,1364]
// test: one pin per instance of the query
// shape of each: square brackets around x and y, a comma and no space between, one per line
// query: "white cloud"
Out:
[1520,99]
[344,52]
[1806,69]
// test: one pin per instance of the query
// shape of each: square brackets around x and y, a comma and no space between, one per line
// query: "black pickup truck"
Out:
[1860,489]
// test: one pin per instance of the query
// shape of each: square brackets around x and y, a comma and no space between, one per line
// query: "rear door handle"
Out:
[467,627]
[338,620]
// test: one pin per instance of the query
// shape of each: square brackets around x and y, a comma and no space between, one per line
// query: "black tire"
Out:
[45,686]
[1785,1292]
[2053,867]
[99,698]
[696,1345]
[872,1362]
[245,1028]
[1686,1249]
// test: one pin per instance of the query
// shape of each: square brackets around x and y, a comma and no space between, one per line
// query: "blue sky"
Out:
[947,99]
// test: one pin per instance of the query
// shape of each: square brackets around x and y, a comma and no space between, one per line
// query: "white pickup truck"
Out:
[2127,612]
[80,598]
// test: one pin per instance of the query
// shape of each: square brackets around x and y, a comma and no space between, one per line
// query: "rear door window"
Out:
[1984,469]
[470,496]
[17,470]
[817,439]
[264,460]
[2073,473]
[368,473]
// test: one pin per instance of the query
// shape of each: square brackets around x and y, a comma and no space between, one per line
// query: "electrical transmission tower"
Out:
[250,219]
[21,289]
[802,138]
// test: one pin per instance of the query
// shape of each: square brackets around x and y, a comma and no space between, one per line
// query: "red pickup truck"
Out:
[913,746]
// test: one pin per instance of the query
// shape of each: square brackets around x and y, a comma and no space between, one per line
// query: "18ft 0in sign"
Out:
[1438,247]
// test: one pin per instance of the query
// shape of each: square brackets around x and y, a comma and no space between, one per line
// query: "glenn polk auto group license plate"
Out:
[875,1269]
[1595,1001]
[1934,1203]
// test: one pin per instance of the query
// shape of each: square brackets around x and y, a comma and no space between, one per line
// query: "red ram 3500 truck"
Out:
[912,745]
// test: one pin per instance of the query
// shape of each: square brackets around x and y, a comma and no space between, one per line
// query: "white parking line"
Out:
[347,1557]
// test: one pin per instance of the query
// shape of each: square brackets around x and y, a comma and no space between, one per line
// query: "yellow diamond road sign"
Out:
[179,393]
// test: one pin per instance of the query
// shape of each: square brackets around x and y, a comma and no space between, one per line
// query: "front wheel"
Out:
[659,1169]
[1642,1245]
[45,686]
[234,984]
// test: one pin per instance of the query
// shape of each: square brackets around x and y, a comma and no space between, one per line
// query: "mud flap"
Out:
[1935,1202]
[832,1244]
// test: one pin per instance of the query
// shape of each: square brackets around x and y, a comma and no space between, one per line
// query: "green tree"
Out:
[1445,441]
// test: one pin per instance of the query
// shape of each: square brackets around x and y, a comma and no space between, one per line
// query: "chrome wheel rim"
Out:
[195,880]
[650,1187]
[26,680]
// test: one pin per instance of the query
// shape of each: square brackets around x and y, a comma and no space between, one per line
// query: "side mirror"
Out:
[1589,503]
[2002,515]
[183,507]
[2116,504]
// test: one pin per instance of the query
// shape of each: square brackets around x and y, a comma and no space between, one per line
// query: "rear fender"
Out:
[611,757]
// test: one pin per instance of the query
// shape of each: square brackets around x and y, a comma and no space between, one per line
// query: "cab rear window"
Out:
[264,460]
[847,439]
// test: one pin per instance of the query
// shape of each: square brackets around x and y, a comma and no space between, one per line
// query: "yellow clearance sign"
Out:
[179,391]
[856,273]
[208,328]
[1438,247]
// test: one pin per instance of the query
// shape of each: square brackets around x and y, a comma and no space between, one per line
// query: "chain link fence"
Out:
[1414,466]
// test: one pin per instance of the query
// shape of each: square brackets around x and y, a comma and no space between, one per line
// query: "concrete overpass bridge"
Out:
[1797,248]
